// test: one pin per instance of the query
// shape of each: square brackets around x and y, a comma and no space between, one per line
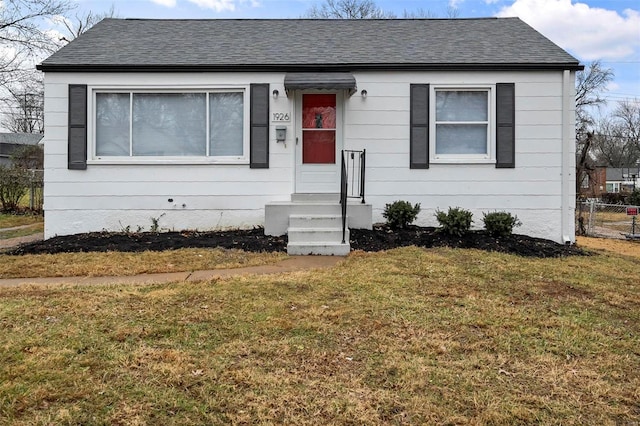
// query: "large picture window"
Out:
[170,124]
[462,129]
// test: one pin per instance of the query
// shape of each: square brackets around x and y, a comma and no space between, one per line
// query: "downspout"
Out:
[568,157]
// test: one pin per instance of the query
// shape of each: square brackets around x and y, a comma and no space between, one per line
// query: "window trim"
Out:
[585,181]
[206,159]
[490,156]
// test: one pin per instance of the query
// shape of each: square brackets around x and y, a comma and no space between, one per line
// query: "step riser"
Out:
[317,236]
[305,221]
[315,208]
[296,249]
[315,198]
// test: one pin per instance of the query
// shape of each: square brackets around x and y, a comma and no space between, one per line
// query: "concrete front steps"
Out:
[313,223]
[317,234]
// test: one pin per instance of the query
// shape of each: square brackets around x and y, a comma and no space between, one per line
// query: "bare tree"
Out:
[22,36]
[83,21]
[28,157]
[612,146]
[453,12]
[347,9]
[418,14]
[367,9]
[24,107]
[590,84]
[627,115]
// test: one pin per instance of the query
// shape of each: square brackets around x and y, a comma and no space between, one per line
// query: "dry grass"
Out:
[120,263]
[622,228]
[615,221]
[409,336]
[11,220]
[613,216]
[610,246]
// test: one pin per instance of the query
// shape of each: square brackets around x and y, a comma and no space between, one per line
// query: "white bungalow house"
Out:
[237,123]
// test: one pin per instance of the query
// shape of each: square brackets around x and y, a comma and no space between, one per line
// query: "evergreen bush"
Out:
[500,224]
[456,221]
[400,214]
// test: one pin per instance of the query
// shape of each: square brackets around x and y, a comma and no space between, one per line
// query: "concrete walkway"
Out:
[291,264]
[15,228]
[9,243]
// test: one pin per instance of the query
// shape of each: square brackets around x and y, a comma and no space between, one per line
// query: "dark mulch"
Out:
[254,240]
[383,238]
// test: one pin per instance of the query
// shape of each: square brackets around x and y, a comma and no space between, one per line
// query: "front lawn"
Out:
[407,336]
[115,263]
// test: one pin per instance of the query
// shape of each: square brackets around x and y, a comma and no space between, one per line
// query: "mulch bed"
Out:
[254,240]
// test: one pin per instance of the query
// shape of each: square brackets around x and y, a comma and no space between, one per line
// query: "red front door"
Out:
[319,136]
[319,128]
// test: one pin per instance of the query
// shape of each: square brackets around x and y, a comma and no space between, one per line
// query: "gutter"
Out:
[52,67]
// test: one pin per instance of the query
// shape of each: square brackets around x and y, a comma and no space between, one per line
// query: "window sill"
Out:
[167,161]
[463,161]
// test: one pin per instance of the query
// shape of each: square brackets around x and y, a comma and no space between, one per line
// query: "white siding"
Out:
[206,196]
[116,196]
[532,190]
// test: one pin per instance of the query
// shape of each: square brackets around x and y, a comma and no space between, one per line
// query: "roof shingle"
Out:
[21,138]
[299,44]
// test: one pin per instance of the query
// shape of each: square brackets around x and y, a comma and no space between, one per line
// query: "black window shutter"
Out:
[419,124]
[505,126]
[77,137]
[259,138]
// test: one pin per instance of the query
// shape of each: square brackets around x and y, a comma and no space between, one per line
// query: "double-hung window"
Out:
[208,125]
[462,124]
[461,129]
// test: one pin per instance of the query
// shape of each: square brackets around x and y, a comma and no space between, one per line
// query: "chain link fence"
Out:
[21,189]
[35,189]
[606,220]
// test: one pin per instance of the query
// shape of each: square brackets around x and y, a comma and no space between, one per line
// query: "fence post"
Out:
[592,215]
[32,200]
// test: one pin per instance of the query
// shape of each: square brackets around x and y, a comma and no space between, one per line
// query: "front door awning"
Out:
[320,81]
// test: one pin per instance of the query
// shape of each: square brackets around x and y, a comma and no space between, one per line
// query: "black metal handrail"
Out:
[343,196]
[352,170]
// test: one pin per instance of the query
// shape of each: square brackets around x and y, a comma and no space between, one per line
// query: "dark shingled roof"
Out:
[303,44]
[618,174]
[21,138]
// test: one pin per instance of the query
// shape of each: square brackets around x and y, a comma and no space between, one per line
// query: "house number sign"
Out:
[281,117]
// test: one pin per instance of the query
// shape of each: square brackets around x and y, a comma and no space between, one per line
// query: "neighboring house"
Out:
[237,123]
[10,142]
[622,179]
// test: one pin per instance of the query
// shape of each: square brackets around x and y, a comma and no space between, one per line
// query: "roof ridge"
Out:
[484,18]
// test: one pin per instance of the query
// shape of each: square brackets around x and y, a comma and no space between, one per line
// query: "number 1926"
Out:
[280,116]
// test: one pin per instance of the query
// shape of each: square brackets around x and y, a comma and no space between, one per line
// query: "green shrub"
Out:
[13,186]
[500,224]
[634,198]
[400,214]
[456,221]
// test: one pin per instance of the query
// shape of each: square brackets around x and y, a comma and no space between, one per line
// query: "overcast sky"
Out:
[608,30]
